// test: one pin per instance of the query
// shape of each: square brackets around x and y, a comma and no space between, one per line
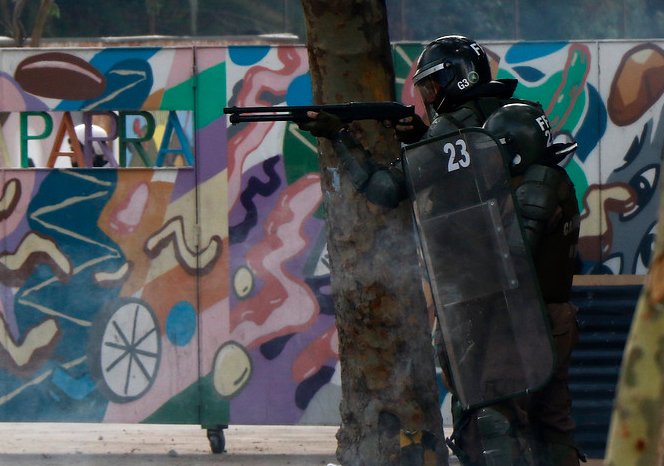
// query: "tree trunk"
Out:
[636,433]
[193,17]
[5,16]
[17,26]
[40,22]
[387,363]
[152,7]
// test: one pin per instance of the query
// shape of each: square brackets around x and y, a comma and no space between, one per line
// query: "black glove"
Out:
[323,125]
[411,129]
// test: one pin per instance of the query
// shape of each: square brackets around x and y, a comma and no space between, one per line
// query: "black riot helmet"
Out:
[448,68]
[525,131]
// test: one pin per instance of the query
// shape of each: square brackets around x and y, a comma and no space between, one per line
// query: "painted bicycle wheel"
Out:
[129,350]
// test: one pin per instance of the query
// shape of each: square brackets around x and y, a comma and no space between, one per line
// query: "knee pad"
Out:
[501,446]
[494,429]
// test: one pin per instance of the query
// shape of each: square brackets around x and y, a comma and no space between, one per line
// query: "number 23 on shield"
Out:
[458,156]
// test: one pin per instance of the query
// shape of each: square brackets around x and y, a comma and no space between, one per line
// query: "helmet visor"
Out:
[428,90]
[426,72]
[432,84]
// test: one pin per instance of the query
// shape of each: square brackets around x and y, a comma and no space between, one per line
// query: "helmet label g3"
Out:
[469,80]
[463,84]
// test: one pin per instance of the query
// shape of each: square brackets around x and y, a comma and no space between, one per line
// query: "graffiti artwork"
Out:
[160,265]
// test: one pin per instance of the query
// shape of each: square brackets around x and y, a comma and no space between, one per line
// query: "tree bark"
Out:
[636,435]
[387,362]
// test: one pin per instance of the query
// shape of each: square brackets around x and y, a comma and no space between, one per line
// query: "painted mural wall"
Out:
[158,265]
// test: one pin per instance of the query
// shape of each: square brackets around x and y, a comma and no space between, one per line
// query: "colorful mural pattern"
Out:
[200,292]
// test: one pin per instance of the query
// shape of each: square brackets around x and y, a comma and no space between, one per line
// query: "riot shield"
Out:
[484,286]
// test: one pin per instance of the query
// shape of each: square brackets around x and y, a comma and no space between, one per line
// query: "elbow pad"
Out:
[537,199]
[359,172]
[386,188]
[354,159]
[380,185]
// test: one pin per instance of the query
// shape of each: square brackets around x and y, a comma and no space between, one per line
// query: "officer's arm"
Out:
[384,186]
[537,198]
[381,185]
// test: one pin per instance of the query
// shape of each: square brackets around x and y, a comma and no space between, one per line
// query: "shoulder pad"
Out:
[548,175]
[537,194]
[444,123]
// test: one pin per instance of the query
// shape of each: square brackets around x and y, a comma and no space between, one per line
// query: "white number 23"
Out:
[458,156]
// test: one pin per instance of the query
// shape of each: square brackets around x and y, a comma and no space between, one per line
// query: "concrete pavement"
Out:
[57,444]
[60,444]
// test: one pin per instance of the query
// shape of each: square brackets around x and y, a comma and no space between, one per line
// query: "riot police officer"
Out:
[550,219]
[453,77]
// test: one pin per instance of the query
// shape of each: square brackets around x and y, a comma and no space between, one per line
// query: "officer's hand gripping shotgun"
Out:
[381,111]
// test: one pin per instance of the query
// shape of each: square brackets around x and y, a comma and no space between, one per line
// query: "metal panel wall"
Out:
[605,315]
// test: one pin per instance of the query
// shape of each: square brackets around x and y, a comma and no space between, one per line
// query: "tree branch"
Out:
[40,21]
[17,26]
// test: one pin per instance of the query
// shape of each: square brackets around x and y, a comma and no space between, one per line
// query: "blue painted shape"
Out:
[130,78]
[108,58]
[181,323]
[128,84]
[173,124]
[522,52]
[594,124]
[66,208]
[299,91]
[246,56]
[528,73]
[74,388]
